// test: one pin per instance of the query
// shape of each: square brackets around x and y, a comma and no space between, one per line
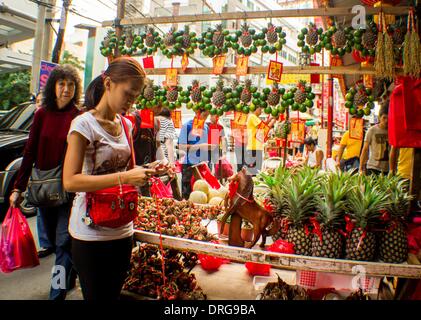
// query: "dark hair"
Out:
[165,113]
[384,108]
[61,72]
[309,141]
[119,70]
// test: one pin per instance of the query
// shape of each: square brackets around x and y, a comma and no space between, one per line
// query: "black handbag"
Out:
[45,188]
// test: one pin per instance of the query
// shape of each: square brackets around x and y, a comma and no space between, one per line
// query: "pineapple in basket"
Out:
[393,243]
[365,203]
[300,193]
[331,207]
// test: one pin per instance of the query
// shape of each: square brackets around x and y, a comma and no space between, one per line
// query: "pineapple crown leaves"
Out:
[397,190]
[366,201]
[331,202]
[271,27]
[220,84]
[235,83]
[245,28]
[195,83]
[150,31]
[218,28]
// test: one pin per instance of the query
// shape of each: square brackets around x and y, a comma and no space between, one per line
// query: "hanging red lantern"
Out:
[372,3]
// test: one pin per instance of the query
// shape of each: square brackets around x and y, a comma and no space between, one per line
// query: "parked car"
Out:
[14,132]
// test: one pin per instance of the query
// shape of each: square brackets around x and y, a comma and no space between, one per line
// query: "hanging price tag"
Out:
[262,132]
[356,128]
[184,62]
[240,118]
[147,119]
[176,119]
[218,64]
[274,71]
[148,63]
[198,125]
[239,132]
[171,77]
[297,131]
[242,66]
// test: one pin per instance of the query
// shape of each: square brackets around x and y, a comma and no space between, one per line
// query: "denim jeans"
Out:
[349,164]
[254,161]
[44,242]
[56,226]
[240,156]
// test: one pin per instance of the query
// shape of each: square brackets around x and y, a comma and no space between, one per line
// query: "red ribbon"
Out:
[349,226]
[232,188]
[361,238]
[268,206]
[317,230]
[385,216]
[306,229]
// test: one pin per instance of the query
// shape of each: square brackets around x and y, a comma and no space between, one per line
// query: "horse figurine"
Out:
[240,204]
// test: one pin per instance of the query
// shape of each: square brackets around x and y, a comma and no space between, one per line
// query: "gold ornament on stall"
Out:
[411,49]
[384,59]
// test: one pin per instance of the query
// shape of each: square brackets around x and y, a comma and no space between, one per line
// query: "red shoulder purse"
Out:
[116,206]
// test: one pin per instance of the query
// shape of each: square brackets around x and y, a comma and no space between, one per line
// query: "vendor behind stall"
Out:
[315,155]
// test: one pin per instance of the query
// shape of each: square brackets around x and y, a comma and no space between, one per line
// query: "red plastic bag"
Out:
[257,269]
[160,190]
[210,263]
[282,246]
[226,167]
[17,246]
[412,103]
[399,136]
[206,175]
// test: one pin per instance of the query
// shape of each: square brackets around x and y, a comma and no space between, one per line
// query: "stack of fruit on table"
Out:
[146,278]
[340,215]
[178,218]
[203,193]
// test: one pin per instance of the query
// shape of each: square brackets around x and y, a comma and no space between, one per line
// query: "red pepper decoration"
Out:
[317,230]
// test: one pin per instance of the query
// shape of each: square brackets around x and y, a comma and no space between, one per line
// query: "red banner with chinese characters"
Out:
[274,71]
[147,119]
[297,131]
[356,128]
[214,134]
[176,118]
[242,66]
[198,125]
[148,63]
[218,64]
[184,62]
[262,132]
[240,118]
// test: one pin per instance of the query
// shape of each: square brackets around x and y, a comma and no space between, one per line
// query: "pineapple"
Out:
[218,97]
[312,37]
[274,96]
[246,94]
[360,98]
[148,92]
[393,244]
[245,37]
[235,84]
[272,36]
[299,202]
[186,37]
[365,202]
[300,95]
[339,38]
[169,39]
[172,94]
[196,94]
[285,129]
[150,39]
[218,37]
[369,39]
[331,207]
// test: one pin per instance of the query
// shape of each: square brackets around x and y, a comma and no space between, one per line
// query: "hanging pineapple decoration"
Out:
[359,100]
[338,40]
[274,95]
[300,98]
[172,96]
[149,92]
[242,40]
[215,41]
[411,49]
[309,39]
[109,44]
[384,59]
[184,42]
[169,41]
[275,39]
[218,97]
[151,95]
[365,40]
[151,41]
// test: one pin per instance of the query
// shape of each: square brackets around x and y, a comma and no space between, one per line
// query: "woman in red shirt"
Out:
[45,150]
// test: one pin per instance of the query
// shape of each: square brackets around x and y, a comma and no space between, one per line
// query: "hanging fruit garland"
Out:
[275,39]
[128,42]
[242,40]
[359,100]
[301,96]
[273,99]
[309,39]
[214,41]
[178,43]
[195,94]
[411,49]
[339,40]
[109,44]
[151,41]
[365,41]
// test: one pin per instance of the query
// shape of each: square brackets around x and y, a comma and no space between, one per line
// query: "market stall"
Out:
[326,244]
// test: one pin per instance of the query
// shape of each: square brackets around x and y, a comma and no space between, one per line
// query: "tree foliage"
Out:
[14,88]
[68,58]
